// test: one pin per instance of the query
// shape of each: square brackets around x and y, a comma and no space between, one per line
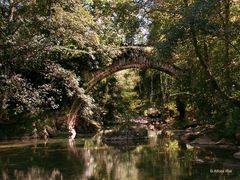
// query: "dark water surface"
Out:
[89,158]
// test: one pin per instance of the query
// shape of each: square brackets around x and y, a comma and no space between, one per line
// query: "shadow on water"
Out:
[90,158]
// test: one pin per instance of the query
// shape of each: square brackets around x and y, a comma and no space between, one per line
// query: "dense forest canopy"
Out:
[46,45]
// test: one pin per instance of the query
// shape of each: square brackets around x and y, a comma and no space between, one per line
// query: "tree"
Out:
[201,37]
[35,37]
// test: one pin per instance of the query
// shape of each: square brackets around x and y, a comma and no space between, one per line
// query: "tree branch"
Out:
[203,61]
[11,10]
[3,8]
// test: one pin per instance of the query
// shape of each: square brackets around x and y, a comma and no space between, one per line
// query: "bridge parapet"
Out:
[130,57]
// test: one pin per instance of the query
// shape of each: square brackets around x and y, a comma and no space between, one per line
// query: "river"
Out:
[89,158]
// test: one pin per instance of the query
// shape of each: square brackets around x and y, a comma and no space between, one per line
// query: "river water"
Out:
[89,158]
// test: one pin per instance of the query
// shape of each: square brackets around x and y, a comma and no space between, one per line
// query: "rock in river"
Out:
[237,155]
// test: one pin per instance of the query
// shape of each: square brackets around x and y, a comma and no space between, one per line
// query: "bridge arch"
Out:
[126,58]
[122,65]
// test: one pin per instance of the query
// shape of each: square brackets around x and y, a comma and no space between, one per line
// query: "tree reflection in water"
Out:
[91,159]
[36,173]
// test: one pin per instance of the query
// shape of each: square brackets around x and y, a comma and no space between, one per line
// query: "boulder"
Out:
[199,161]
[126,134]
[205,140]
[237,155]
[223,142]
[152,113]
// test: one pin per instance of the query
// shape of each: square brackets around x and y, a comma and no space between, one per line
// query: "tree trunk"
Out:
[11,10]
[227,61]
[72,116]
[203,61]
[151,92]
[162,89]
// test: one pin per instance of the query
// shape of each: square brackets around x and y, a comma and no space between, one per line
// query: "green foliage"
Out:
[33,43]
[111,102]
[46,46]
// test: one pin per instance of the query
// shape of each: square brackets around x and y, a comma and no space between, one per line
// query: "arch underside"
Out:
[101,74]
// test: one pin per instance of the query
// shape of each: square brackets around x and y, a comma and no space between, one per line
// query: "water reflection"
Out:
[91,159]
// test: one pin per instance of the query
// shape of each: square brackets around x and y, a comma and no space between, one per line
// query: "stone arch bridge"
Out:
[126,58]
[129,57]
